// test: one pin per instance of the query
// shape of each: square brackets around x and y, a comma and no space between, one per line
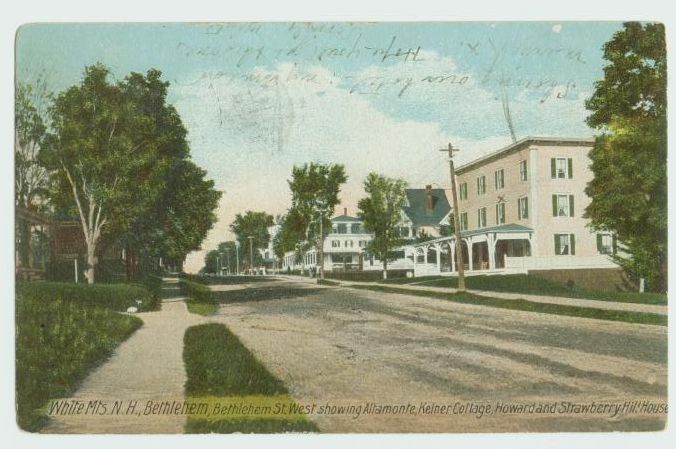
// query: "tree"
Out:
[187,213]
[119,160]
[255,225]
[381,211]
[629,189]
[314,196]
[30,176]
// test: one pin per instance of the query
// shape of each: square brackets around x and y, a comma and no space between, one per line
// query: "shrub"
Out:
[61,334]
[118,297]
[196,291]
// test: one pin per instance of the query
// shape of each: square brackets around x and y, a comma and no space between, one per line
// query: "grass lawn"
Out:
[532,285]
[63,331]
[529,306]
[218,365]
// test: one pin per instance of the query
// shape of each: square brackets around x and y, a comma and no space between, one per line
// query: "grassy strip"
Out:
[219,365]
[117,297]
[202,308]
[327,282]
[200,298]
[532,285]
[60,339]
[225,280]
[530,306]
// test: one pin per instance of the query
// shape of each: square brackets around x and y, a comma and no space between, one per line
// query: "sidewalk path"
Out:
[146,367]
[578,302]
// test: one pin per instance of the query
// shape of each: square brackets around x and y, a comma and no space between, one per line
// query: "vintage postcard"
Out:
[333,227]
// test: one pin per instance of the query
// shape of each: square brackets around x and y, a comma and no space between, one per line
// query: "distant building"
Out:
[521,209]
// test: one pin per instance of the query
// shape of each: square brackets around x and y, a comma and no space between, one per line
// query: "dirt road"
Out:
[343,347]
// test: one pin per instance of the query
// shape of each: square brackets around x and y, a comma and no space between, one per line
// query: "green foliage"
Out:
[61,334]
[629,189]
[225,257]
[196,291]
[252,224]
[218,364]
[533,285]
[119,161]
[381,211]
[292,232]
[530,306]
[314,196]
[117,297]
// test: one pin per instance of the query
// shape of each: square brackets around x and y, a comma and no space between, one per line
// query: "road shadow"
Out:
[262,294]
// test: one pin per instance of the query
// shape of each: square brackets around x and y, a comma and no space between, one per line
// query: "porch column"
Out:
[452,253]
[425,255]
[470,264]
[437,248]
[490,243]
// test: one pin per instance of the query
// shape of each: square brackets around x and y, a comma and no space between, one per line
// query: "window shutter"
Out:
[571,205]
[553,168]
[525,207]
[572,244]
[496,180]
[570,168]
[557,245]
[518,208]
[554,205]
[599,243]
[614,244]
[497,214]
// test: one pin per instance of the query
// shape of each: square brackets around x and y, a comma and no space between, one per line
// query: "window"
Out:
[562,168]
[355,228]
[499,179]
[463,221]
[342,228]
[362,243]
[563,205]
[564,244]
[523,207]
[335,243]
[481,185]
[606,243]
[500,213]
[463,191]
[349,243]
[481,218]
[523,170]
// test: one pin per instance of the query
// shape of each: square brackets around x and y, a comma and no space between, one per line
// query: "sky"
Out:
[259,98]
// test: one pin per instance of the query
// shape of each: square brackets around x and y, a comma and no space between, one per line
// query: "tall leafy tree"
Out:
[629,189]
[314,196]
[30,176]
[381,211]
[255,225]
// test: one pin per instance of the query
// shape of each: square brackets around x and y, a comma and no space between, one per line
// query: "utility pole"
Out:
[321,246]
[251,253]
[227,252]
[237,255]
[218,265]
[456,219]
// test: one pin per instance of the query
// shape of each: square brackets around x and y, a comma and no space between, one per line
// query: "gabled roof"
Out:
[416,211]
[344,218]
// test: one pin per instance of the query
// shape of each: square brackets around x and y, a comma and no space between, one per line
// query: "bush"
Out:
[196,291]
[62,332]
[118,297]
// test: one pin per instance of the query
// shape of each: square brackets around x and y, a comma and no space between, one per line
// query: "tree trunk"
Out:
[385,266]
[91,262]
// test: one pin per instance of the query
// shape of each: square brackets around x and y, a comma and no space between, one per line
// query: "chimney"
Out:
[429,205]
[345,211]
